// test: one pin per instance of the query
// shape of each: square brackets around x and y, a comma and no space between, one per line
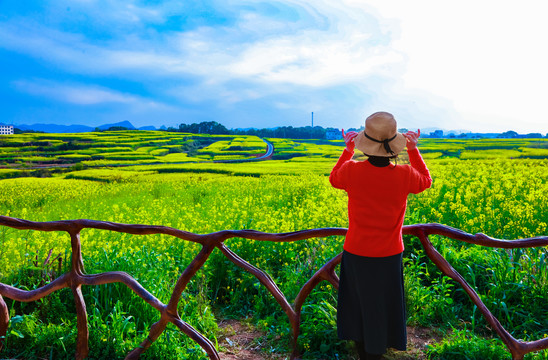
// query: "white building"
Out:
[6,129]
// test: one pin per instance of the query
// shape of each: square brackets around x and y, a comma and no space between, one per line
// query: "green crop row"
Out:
[500,195]
[123,147]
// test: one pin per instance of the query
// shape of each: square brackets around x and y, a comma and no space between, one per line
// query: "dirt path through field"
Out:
[239,341]
[266,156]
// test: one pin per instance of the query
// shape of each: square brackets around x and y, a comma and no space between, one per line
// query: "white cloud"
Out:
[73,94]
[307,60]
[487,58]
[468,64]
[318,55]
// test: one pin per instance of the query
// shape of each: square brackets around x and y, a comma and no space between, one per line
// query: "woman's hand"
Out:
[412,139]
[349,139]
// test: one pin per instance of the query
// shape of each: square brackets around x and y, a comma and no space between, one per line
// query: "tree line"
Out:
[283,132]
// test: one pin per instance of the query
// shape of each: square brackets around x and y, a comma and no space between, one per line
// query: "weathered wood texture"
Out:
[76,277]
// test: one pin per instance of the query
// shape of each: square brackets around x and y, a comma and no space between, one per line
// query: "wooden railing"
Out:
[75,278]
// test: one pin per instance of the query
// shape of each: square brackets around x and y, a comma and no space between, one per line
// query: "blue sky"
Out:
[472,65]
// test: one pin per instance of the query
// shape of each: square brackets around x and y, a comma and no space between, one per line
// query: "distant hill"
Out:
[55,128]
[125,124]
[289,132]
[147,128]
[427,131]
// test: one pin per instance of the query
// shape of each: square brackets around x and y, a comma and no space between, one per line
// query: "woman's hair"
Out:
[395,157]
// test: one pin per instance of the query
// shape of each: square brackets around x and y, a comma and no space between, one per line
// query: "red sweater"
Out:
[377,199]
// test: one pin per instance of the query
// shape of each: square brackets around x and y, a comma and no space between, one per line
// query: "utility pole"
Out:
[312,119]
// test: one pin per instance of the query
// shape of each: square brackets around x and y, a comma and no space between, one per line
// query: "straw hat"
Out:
[381,136]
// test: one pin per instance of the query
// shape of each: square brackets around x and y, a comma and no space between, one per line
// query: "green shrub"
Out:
[465,345]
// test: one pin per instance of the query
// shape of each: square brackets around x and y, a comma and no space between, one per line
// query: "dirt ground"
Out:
[239,341]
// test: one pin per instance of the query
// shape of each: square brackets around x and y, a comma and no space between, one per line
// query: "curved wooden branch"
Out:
[263,277]
[155,331]
[477,239]
[33,295]
[82,345]
[75,278]
[74,226]
[327,272]
[204,342]
[284,237]
[185,277]
[64,225]
[271,286]
[517,348]
[130,282]
[4,321]
[77,260]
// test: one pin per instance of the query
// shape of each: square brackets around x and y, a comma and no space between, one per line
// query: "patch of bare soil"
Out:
[240,341]
[417,340]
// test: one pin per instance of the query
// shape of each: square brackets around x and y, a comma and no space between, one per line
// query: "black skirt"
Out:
[371,304]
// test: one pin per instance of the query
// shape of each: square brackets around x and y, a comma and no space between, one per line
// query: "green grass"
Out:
[124,147]
[503,197]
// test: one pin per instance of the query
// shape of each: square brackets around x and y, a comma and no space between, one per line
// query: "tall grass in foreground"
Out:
[505,199]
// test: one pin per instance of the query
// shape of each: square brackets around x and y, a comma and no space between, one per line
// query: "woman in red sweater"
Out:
[371,305]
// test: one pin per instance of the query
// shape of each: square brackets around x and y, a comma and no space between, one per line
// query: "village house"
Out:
[6,129]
